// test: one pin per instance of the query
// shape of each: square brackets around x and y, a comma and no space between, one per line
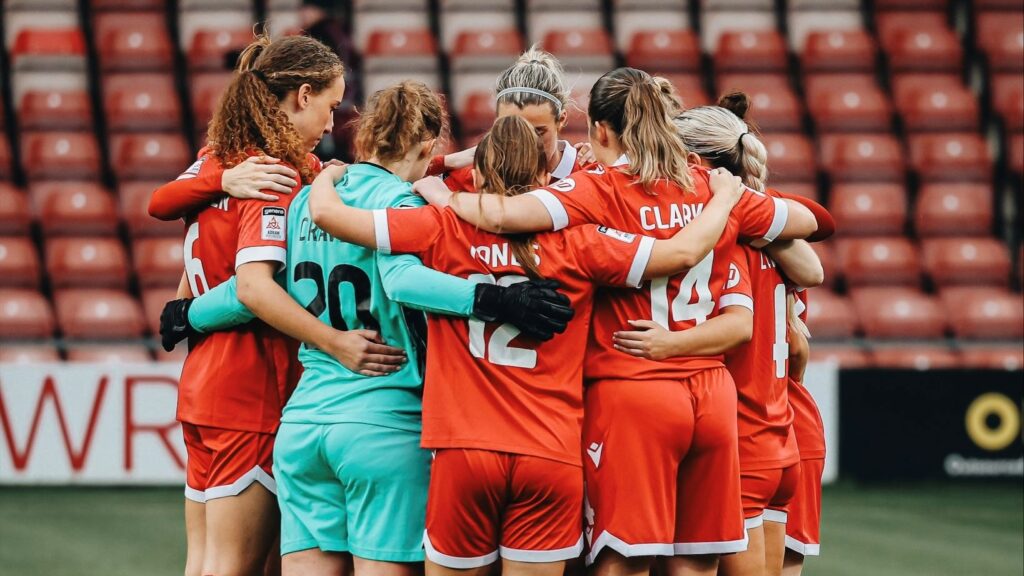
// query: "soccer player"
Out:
[662,475]
[504,413]
[234,383]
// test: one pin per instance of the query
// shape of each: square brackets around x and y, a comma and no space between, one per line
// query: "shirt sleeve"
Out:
[262,230]
[576,199]
[407,230]
[460,180]
[407,281]
[737,290]
[610,257]
[192,190]
[218,308]
[761,217]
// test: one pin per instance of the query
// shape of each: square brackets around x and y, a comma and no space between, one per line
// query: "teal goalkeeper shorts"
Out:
[352,487]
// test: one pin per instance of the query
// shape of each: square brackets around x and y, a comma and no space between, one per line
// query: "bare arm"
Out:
[799,224]
[330,214]
[519,214]
[798,262]
[650,340]
[184,290]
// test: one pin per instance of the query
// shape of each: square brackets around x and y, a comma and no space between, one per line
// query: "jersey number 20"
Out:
[328,294]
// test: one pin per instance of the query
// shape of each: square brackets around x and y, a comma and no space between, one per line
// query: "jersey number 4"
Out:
[697,278]
[328,293]
[498,351]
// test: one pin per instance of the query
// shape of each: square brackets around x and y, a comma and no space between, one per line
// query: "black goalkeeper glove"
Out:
[535,307]
[174,324]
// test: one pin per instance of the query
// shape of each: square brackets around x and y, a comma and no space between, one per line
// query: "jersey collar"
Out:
[568,161]
[621,161]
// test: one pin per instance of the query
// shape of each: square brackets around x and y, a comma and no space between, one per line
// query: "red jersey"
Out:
[807,424]
[236,379]
[461,180]
[611,197]
[487,387]
[760,368]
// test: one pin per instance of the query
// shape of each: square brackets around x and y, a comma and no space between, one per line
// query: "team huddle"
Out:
[561,356]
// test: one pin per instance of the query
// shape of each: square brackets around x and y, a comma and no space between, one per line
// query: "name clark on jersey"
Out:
[679,215]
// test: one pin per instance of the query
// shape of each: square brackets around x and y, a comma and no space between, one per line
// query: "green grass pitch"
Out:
[911,530]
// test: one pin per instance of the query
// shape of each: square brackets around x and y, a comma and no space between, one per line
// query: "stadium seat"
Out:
[1008,100]
[873,261]
[984,313]
[48,49]
[805,189]
[950,261]
[587,49]
[485,50]
[133,42]
[891,25]
[751,51]
[5,157]
[134,200]
[915,358]
[806,17]
[924,50]
[842,105]
[153,301]
[629,21]
[1016,155]
[953,157]
[15,218]
[149,156]
[838,51]
[1000,39]
[392,50]
[993,357]
[109,353]
[28,353]
[158,261]
[791,157]
[747,15]
[97,313]
[898,312]
[141,102]
[829,316]
[24,314]
[689,88]
[19,262]
[774,106]
[87,262]
[71,208]
[205,90]
[845,356]
[869,209]
[862,158]
[478,114]
[60,155]
[105,5]
[55,110]
[454,21]
[937,107]
[213,49]
[665,51]
[953,209]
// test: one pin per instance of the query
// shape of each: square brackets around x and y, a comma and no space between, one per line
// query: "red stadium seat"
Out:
[55,110]
[931,5]
[60,155]
[751,51]
[916,358]
[1008,100]
[774,106]
[69,208]
[24,314]
[892,24]
[1001,39]
[953,209]
[205,90]
[101,5]
[689,88]
[791,157]
[133,41]
[210,49]
[849,106]
[826,253]
[869,209]
[863,158]
[879,261]
[924,50]
[981,313]
[898,312]
[938,107]
[849,357]
[838,51]
[588,49]
[998,357]
[48,49]
[950,261]
[955,157]
[665,50]
[830,316]
[485,49]
[134,198]
[150,156]
[19,262]
[391,50]
[805,189]
[87,262]
[1016,155]
[14,211]
[109,353]
[153,301]
[141,102]
[158,261]
[5,157]
[478,113]
[28,353]
[96,313]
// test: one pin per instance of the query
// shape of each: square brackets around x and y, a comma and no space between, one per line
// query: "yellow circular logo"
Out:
[988,437]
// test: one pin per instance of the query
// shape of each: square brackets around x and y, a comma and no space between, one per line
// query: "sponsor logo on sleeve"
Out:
[193,170]
[273,226]
[564,185]
[617,234]
[734,277]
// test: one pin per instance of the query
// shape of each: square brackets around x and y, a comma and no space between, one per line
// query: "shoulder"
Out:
[314,163]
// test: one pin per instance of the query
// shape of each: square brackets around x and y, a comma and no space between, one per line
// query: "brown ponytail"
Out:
[398,118]
[509,161]
[635,106]
[249,117]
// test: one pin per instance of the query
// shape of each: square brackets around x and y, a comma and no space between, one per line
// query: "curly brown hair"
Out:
[249,117]
[398,118]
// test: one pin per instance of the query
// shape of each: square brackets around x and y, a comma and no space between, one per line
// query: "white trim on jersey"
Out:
[606,539]
[556,555]
[559,217]
[621,161]
[381,232]
[261,254]
[195,495]
[257,474]
[755,522]
[777,516]
[777,225]
[801,548]
[700,548]
[568,161]
[456,562]
[643,256]
[736,300]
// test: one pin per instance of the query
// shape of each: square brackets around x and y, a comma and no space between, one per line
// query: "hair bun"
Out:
[736,102]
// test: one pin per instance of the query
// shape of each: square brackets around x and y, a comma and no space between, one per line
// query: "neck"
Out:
[401,168]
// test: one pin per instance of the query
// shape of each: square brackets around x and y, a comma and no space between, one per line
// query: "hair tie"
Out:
[258,74]
[535,92]
[739,141]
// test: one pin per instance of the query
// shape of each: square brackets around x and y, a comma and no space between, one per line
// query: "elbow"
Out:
[247,293]
[744,328]
[156,211]
[815,278]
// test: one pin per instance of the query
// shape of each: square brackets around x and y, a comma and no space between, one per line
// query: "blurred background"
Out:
[904,117]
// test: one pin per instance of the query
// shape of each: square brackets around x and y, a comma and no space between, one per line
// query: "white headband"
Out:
[535,92]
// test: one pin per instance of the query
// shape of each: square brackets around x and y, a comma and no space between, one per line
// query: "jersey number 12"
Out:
[498,351]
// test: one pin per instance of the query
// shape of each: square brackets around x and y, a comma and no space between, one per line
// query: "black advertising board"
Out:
[898,425]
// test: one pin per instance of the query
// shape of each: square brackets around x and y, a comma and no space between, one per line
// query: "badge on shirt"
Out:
[617,234]
[193,170]
[734,277]
[564,185]
[273,223]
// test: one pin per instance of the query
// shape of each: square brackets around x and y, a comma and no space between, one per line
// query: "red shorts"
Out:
[485,504]
[662,467]
[766,493]
[803,528]
[226,462]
